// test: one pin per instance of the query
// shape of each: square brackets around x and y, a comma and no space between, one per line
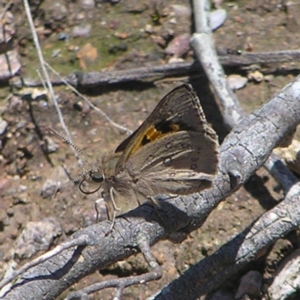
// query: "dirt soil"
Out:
[88,36]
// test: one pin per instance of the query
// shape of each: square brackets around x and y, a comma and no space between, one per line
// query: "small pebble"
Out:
[236,81]
[54,181]
[149,28]
[251,284]
[50,145]
[49,188]
[87,4]
[269,78]
[9,64]
[179,46]
[181,10]
[36,236]
[217,18]
[3,126]
[82,30]
[256,76]
[62,36]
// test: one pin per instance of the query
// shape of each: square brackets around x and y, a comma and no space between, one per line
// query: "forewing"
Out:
[180,110]
[181,163]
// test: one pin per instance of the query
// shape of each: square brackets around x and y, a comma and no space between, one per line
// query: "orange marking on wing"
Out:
[151,135]
[175,127]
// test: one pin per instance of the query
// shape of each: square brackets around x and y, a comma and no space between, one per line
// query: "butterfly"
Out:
[174,151]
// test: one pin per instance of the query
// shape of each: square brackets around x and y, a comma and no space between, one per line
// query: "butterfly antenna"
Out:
[74,180]
[78,150]
[65,140]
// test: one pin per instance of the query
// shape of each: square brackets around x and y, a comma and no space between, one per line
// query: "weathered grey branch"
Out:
[233,256]
[244,150]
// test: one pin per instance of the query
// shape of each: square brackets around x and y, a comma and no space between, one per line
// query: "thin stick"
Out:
[121,283]
[44,71]
[81,241]
[5,9]
[41,79]
[155,73]
[102,113]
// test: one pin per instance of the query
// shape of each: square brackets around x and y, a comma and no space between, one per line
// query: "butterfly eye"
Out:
[97,177]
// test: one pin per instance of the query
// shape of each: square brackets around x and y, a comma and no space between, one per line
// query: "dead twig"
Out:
[151,74]
[121,283]
[44,71]
[81,241]
[232,257]
[5,9]
[101,112]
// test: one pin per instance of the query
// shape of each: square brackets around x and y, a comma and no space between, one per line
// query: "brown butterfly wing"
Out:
[180,163]
[180,110]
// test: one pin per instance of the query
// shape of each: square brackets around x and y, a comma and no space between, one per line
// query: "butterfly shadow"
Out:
[161,211]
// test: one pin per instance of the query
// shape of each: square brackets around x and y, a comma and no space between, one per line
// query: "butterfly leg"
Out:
[98,208]
[112,217]
[111,193]
[112,223]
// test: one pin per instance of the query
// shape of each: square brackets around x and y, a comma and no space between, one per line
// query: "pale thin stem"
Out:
[102,113]
[121,283]
[5,9]
[44,70]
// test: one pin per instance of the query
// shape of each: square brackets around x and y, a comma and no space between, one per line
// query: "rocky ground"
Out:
[89,35]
